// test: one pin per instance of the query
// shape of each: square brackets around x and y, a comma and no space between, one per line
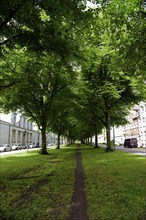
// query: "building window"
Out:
[30,137]
[23,122]
[13,136]
[20,121]
[30,125]
[13,119]
[19,136]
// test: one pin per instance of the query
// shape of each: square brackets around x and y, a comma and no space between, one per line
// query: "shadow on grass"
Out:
[27,195]
[99,150]
[24,177]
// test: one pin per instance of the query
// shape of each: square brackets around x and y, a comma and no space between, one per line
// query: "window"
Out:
[30,137]
[13,136]
[19,136]
[23,122]
[13,119]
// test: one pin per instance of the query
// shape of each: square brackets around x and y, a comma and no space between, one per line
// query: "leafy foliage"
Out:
[70,69]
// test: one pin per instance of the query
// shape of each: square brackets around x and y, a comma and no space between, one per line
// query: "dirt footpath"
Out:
[79,202]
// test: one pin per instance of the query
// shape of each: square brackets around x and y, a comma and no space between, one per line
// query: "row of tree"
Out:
[71,70]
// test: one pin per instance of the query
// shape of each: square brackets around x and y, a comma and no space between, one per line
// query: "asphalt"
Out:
[137,151]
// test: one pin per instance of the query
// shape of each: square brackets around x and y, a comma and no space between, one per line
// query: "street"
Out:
[16,151]
[138,151]
[22,151]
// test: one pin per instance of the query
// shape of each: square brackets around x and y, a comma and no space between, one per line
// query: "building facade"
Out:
[135,128]
[142,123]
[131,130]
[17,129]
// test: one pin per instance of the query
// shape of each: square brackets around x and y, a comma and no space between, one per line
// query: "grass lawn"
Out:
[115,185]
[40,187]
[37,187]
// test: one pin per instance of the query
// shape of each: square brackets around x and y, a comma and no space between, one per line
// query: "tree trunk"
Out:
[96,140]
[58,141]
[108,138]
[91,140]
[44,147]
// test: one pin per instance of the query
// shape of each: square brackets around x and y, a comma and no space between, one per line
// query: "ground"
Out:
[79,202]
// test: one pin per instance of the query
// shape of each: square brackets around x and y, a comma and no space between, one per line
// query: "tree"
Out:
[62,109]
[20,18]
[111,84]
[43,79]
[41,36]
[44,42]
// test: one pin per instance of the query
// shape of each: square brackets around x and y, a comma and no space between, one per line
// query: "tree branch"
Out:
[12,14]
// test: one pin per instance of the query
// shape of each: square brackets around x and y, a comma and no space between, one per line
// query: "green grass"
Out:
[35,186]
[115,185]
[39,187]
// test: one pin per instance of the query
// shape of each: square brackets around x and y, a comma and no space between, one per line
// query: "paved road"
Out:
[21,151]
[138,151]
[16,151]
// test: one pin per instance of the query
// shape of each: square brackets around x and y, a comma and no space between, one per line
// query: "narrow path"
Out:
[79,202]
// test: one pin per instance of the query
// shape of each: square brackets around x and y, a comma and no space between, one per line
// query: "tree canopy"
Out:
[71,69]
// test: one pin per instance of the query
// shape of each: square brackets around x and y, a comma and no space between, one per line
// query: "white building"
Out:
[15,128]
[142,123]
[118,133]
[135,128]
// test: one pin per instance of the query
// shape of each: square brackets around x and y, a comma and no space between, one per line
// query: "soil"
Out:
[79,202]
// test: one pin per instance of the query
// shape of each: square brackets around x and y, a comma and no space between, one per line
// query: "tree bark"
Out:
[96,140]
[44,147]
[91,140]
[107,114]
[58,141]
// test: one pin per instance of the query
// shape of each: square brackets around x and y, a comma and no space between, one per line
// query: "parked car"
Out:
[34,144]
[130,142]
[5,147]
[49,144]
[16,146]
[25,146]
[30,145]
